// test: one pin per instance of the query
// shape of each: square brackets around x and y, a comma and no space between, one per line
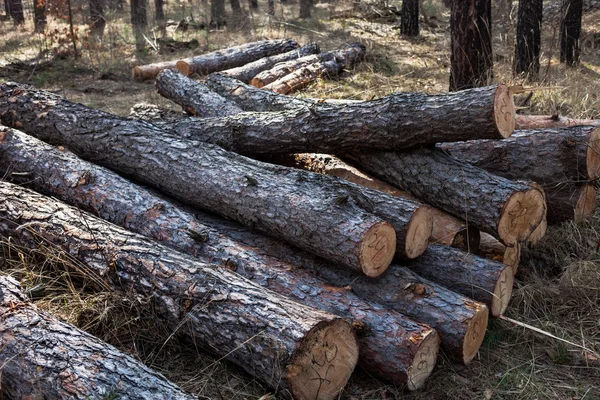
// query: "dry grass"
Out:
[558,287]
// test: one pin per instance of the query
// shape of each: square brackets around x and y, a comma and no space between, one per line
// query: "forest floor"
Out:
[558,285]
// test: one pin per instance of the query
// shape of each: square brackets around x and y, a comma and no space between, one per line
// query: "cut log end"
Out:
[502,292]
[475,333]
[424,361]
[418,232]
[467,239]
[183,67]
[378,249]
[593,155]
[257,83]
[136,74]
[521,214]
[504,110]
[538,233]
[324,362]
[586,203]
[512,257]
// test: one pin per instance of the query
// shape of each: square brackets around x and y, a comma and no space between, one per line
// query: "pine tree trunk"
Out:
[570,30]
[285,344]
[98,22]
[409,22]
[271,5]
[44,358]
[471,61]
[528,44]
[305,8]
[159,16]
[217,13]
[392,347]
[15,8]
[139,22]
[39,15]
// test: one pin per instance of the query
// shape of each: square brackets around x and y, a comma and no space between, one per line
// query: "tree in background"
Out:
[570,30]
[271,5]
[217,13]
[253,4]
[305,7]
[471,61]
[409,18]
[527,46]
[39,15]
[15,11]
[139,21]
[97,20]
[159,16]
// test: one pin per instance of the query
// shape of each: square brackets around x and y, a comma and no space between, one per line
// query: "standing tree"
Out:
[97,20]
[159,16]
[217,13]
[527,47]
[271,5]
[305,6]
[39,15]
[15,10]
[139,21]
[253,4]
[409,18]
[471,61]
[570,29]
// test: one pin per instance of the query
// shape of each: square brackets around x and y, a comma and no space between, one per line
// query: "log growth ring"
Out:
[502,292]
[521,214]
[586,203]
[418,232]
[593,154]
[504,111]
[424,361]
[377,249]
[475,333]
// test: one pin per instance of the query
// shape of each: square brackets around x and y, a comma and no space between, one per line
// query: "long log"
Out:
[524,122]
[508,210]
[299,350]
[45,358]
[392,347]
[233,56]
[481,279]
[324,213]
[194,98]
[282,69]
[561,160]
[245,73]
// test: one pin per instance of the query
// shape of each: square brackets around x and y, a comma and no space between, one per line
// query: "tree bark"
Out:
[15,8]
[98,22]
[392,347]
[409,20]
[471,61]
[217,13]
[44,358]
[461,322]
[271,5]
[483,280]
[570,30]
[508,210]
[561,160]
[269,336]
[305,8]
[139,22]
[194,98]
[327,215]
[528,44]
[246,72]
[39,15]
[524,122]
[233,56]
[159,16]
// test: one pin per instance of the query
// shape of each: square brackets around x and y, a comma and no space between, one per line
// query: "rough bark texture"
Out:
[559,159]
[15,8]
[461,322]
[528,44]
[284,68]
[392,347]
[462,190]
[323,211]
[44,358]
[233,56]
[409,21]
[524,122]
[471,61]
[39,15]
[266,334]
[97,20]
[394,122]
[193,97]
[481,279]
[570,30]
[246,72]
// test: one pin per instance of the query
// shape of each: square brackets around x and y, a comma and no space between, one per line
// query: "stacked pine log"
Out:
[297,285]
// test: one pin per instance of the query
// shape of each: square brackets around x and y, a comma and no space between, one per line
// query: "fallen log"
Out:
[45,358]
[216,60]
[325,217]
[562,162]
[194,98]
[301,351]
[447,230]
[508,210]
[233,56]
[524,122]
[491,248]
[392,347]
[483,280]
[461,322]
[245,73]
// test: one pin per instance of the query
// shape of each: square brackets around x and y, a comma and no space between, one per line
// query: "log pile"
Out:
[371,232]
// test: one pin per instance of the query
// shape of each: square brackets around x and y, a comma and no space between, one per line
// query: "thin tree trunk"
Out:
[98,21]
[570,30]
[217,13]
[528,44]
[305,8]
[409,19]
[271,5]
[282,343]
[39,15]
[253,4]
[15,10]
[159,16]
[45,358]
[471,61]
[139,22]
